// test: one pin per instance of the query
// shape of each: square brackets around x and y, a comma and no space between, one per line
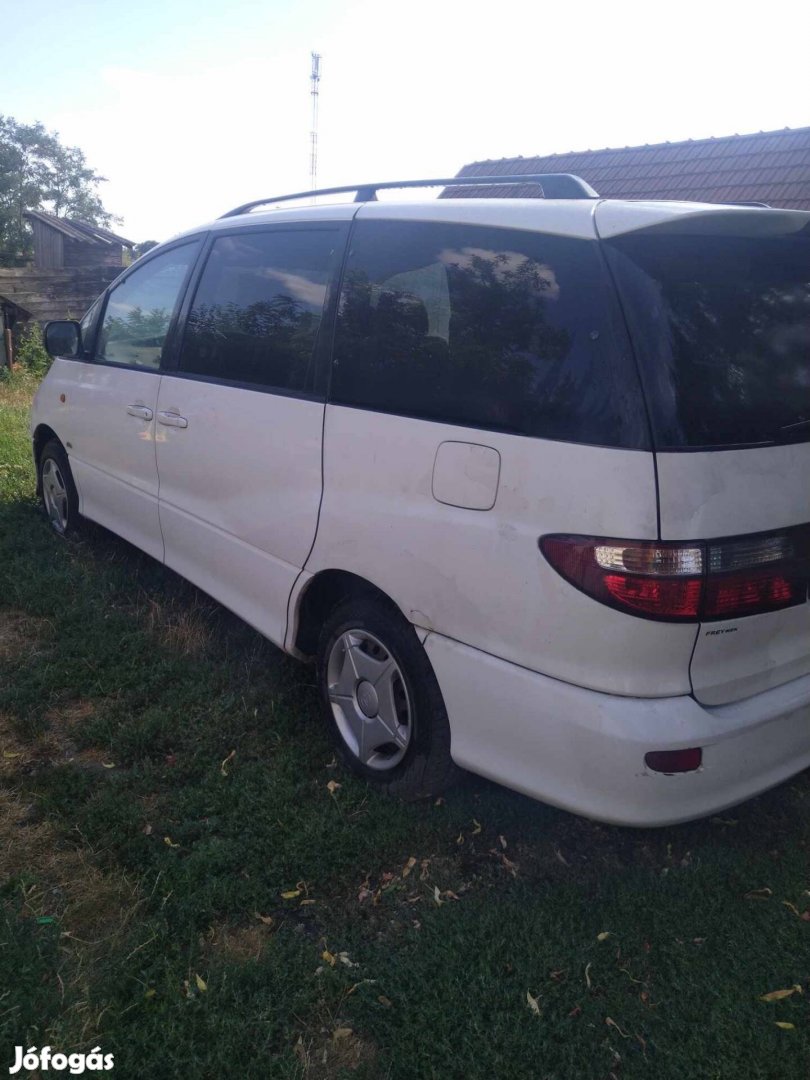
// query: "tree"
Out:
[37,172]
[143,247]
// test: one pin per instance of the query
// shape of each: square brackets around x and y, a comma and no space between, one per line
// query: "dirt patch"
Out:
[54,746]
[21,634]
[182,629]
[60,881]
[332,1053]
[238,943]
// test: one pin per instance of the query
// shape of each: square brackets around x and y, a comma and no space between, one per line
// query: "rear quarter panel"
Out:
[477,575]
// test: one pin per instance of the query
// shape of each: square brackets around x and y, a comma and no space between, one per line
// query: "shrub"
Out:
[29,350]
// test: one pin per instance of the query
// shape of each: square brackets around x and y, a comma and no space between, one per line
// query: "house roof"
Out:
[76,229]
[770,166]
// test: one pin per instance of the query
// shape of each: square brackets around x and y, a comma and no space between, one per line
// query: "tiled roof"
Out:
[77,230]
[771,167]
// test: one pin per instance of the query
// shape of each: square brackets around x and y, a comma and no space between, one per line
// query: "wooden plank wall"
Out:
[55,294]
[80,254]
[48,247]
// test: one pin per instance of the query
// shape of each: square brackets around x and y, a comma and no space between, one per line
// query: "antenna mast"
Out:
[315,79]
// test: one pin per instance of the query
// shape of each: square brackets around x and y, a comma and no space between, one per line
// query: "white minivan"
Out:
[529,478]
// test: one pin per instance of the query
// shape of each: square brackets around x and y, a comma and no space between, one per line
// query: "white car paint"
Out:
[547,691]
[239,493]
[731,492]
[584,751]
[478,576]
[112,451]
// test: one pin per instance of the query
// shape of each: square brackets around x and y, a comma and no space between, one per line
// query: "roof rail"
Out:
[554,186]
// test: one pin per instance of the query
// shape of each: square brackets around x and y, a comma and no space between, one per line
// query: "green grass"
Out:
[163,784]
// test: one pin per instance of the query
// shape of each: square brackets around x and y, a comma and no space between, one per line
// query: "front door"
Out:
[112,400]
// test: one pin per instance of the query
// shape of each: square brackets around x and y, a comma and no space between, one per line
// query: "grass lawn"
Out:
[188,881]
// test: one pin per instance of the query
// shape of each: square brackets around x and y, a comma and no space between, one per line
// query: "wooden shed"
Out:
[68,243]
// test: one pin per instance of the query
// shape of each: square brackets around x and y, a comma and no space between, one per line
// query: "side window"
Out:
[258,306]
[140,309]
[486,327]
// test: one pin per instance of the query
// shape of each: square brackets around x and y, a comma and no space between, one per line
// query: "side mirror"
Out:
[63,339]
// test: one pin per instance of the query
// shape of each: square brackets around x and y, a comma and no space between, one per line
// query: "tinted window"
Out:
[488,328]
[258,306]
[140,309]
[722,330]
[88,324]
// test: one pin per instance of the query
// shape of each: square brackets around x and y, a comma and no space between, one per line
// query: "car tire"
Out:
[59,496]
[381,700]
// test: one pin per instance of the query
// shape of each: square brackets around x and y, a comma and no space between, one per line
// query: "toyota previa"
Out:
[527,478]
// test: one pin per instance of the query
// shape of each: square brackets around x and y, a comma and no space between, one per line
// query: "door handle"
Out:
[172,419]
[140,411]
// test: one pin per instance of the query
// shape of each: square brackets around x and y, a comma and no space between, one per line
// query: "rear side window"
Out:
[258,307]
[721,326]
[139,310]
[484,327]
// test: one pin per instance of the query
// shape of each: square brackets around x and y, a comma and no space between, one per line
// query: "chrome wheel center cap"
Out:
[367,698]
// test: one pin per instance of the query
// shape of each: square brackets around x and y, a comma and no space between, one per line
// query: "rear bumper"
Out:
[584,751]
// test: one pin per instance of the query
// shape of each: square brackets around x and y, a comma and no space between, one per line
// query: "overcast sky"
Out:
[190,107]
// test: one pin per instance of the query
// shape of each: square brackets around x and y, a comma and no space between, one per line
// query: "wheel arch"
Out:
[42,435]
[317,597]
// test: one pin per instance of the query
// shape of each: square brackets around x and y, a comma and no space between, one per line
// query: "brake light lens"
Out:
[687,582]
[677,599]
[742,593]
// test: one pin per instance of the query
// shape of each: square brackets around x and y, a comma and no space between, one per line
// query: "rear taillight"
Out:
[690,581]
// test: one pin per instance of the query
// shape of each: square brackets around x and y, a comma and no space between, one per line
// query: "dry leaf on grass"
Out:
[780,995]
[225,766]
[533,1003]
[612,1023]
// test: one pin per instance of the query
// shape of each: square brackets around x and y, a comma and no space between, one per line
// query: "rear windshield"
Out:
[721,326]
